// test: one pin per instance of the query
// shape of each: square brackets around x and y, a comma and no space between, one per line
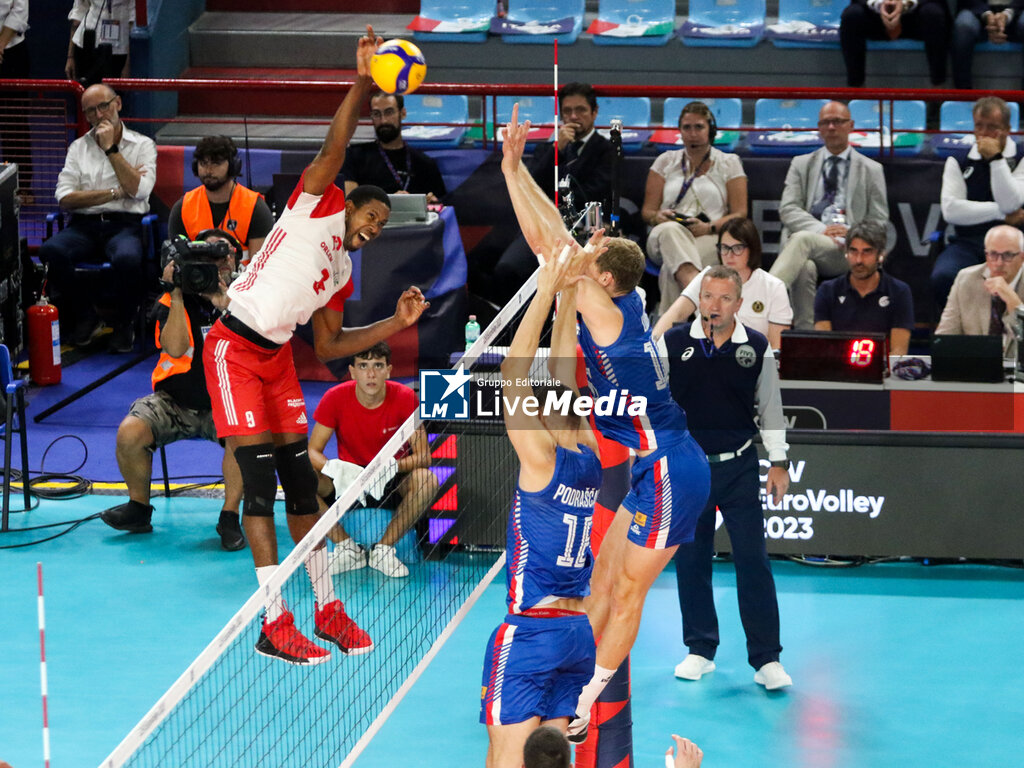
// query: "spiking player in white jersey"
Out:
[669,479]
[538,660]
[302,271]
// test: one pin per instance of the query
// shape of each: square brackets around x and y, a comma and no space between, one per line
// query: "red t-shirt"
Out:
[361,432]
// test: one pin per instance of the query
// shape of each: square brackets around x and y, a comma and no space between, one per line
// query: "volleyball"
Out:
[398,66]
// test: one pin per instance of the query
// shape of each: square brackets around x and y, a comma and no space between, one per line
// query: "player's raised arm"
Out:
[562,363]
[532,442]
[325,167]
[538,217]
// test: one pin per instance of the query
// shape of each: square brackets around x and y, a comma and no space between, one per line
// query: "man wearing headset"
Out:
[179,406]
[220,201]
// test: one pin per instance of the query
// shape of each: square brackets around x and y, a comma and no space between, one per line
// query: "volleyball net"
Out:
[233,706]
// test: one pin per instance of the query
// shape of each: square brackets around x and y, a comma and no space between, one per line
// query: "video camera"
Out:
[195,263]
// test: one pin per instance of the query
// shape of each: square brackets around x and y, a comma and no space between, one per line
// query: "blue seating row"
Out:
[738,23]
[784,118]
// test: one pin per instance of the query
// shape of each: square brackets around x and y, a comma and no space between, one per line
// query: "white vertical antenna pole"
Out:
[42,667]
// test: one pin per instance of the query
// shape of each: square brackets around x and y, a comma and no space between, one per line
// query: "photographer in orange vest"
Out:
[221,202]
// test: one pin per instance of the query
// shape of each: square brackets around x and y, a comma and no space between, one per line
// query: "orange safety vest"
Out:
[196,215]
[168,366]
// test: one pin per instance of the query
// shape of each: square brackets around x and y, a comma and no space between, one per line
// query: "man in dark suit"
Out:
[584,155]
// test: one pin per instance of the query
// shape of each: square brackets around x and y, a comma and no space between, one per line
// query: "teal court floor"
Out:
[893,665]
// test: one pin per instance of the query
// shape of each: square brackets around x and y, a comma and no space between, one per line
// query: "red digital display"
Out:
[862,352]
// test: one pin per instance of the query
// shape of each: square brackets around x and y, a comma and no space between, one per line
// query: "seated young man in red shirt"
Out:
[363,414]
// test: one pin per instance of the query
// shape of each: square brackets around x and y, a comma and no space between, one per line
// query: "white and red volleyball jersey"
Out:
[302,266]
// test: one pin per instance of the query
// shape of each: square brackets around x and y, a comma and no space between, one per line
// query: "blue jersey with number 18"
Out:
[547,545]
[633,364]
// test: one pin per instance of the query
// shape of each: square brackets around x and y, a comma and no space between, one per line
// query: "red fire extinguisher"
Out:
[43,343]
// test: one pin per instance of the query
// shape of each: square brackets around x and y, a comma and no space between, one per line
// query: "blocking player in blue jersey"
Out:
[670,479]
[540,657]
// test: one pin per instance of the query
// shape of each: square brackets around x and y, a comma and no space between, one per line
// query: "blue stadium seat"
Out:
[627,22]
[895,45]
[539,110]
[988,47]
[435,109]
[737,23]
[958,116]
[542,13]
[907,115]
[807,24]
[786,114]
[474,16]
[727,112]
[632,111]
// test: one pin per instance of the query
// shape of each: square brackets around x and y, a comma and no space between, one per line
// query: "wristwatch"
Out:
[784,464]
[114,149]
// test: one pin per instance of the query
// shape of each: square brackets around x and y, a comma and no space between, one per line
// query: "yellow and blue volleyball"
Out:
[398,66]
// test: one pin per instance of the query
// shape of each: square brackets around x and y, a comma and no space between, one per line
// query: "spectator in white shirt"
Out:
[15,139]
[105,184]
[765,306]
[98,47]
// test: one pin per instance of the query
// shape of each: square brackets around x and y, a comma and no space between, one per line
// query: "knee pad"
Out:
[298,478]
[259,482]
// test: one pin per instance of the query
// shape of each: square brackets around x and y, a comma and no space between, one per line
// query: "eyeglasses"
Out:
[1005,256]
[833,122]
[101,107]
[376,114]
[735,249]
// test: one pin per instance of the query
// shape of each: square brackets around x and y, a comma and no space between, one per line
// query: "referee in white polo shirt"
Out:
[723,374]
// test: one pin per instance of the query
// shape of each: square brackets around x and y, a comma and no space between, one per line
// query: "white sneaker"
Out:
[347,556]
[772,676]
[384,559]
[694,667]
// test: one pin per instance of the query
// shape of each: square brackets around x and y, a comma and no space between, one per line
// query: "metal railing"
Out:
[47,113]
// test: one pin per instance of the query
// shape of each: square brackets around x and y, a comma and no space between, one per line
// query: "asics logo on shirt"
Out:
[321,284]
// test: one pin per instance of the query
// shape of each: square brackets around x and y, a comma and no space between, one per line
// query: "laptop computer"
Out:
[967,358]
[833,356]
[407,209]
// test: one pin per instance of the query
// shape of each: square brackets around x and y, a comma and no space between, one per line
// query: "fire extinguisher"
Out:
[43,342]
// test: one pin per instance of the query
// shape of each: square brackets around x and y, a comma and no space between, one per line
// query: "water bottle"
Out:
[835,214]
[472,331]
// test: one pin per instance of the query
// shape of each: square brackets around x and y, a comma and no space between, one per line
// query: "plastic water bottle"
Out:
[472,331]
[835,214]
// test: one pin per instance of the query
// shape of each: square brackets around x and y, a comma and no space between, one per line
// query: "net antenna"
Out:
[555,88]
[232,706]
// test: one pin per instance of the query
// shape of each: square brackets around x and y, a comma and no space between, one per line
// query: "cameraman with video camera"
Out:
[195,277]
[690,193]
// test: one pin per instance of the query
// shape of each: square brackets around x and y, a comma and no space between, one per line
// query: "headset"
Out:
[234,160]
[702,109]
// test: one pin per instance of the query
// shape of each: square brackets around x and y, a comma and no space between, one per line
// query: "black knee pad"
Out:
[259,480]
[298,478]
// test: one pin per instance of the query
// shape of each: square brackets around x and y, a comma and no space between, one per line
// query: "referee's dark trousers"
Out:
[735,488]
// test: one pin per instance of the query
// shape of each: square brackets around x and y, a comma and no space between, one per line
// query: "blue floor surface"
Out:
[893,665]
